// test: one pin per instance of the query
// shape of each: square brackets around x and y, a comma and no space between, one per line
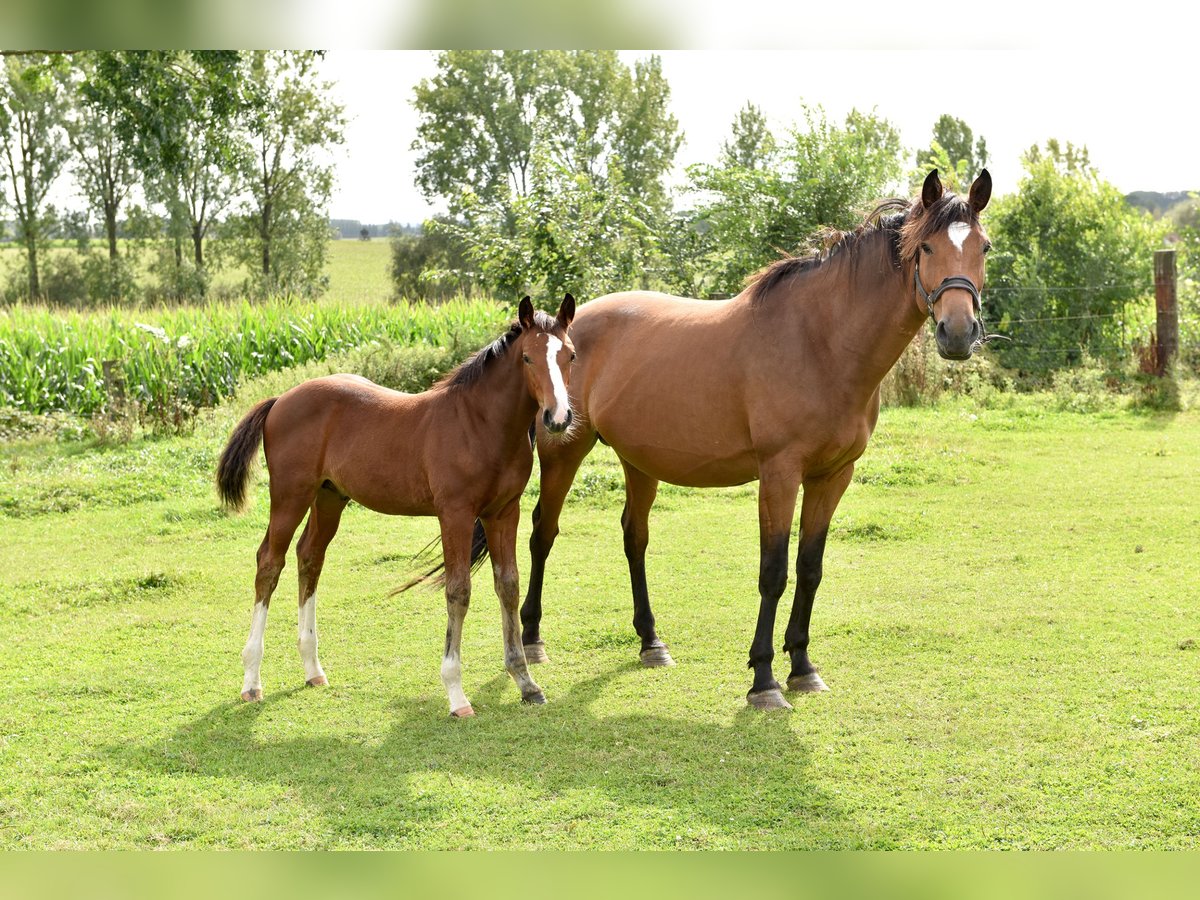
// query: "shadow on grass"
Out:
[633,778]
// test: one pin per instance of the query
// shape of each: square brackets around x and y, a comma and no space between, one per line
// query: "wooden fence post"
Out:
[1167,333]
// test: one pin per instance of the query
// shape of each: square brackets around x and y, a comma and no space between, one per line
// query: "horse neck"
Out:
[856,317]
[499,403]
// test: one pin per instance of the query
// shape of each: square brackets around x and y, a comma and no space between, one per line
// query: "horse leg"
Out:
[322,525]
[776,506]
[457,529]
[820,500]
[286,513]
[559,463]
[640,491]
[501,533]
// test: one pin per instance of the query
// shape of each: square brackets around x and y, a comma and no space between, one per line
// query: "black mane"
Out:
[472,370]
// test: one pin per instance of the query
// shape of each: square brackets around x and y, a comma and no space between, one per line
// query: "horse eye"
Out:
[528,361]
[987,247]
[572,356]
[926,248]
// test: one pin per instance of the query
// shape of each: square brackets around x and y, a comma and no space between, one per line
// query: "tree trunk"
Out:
[198,244]
[110,228]
[265,234]
[35,288]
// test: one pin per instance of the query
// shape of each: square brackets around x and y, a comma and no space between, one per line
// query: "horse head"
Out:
[547,354]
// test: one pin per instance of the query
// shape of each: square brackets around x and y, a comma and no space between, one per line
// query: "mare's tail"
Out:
[237,460]
[432,551]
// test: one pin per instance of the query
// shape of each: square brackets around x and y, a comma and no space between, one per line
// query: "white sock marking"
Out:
[307,639]
[957,233]
[561,404]
[252,654]
[452,679]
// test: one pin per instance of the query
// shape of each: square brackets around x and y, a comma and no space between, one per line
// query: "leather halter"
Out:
[949,283]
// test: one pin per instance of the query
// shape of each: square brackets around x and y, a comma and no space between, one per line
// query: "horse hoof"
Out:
[463,712]
[656,657]
[536,699]
[536,653]
[807,684]
[317,681]
[772,698]
[253,696]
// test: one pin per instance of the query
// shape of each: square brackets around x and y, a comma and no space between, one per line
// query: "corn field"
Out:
[187,358]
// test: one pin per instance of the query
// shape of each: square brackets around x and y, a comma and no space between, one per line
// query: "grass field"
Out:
[359,271]
[1007,623]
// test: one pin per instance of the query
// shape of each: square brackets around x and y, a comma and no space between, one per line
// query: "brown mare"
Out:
[459,451]
[779,384]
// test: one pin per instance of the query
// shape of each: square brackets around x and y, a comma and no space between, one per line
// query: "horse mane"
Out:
[906,224]
[472,370]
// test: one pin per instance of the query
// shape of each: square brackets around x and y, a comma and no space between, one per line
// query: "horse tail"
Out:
[237,460]
[437,571]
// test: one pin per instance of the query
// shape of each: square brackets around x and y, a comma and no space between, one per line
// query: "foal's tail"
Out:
[233,471]
[432,551]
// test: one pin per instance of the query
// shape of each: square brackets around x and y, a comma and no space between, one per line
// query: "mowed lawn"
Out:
[1008,624]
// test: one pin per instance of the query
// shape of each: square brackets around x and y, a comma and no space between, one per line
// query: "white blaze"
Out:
[561,405]
[958,234]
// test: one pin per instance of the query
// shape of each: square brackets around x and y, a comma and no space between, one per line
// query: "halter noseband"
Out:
[949,283]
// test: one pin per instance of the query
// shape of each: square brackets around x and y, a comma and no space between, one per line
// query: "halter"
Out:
[949,283]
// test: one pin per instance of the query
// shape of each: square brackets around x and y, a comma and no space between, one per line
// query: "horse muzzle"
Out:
[555,427]
[959,343]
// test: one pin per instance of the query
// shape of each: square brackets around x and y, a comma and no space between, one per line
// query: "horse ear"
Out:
[566,311]
[931,191]
[525,313]
[981,191]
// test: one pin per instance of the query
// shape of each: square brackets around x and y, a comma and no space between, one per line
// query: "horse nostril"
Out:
[546,418]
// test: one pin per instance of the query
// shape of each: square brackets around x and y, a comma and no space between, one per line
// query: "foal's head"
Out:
[546,354]
[944,238]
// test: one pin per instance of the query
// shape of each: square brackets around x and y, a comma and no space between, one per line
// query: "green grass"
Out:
[1007,623]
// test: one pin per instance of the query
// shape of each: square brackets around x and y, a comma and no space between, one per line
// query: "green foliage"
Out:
[751,144]
[33,149]
[822,176]
[954,152]
[1071,255]
[484,113]
[281,232]
[432,265]
[571,232]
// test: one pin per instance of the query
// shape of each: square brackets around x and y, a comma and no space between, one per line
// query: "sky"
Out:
[1125,96]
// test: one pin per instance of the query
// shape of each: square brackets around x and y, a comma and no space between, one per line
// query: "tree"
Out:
[485,112]
[34,147]
[823,176]
[175,113]
[751,144]
[1070,254]
[104,173]
[283,226]
[954,151]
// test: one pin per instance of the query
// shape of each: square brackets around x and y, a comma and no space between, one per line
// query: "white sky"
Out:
[1108,85]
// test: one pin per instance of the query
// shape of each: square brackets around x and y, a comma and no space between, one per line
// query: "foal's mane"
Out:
[906,225]
[472,370]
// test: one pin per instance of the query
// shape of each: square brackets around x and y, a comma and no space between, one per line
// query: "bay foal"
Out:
[779,384]
[459,451]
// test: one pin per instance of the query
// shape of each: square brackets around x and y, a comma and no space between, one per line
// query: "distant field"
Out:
[359,271]
[1007,622]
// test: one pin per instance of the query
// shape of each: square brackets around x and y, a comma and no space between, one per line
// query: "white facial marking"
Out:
[958,234]
[561,404]
[307,639]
